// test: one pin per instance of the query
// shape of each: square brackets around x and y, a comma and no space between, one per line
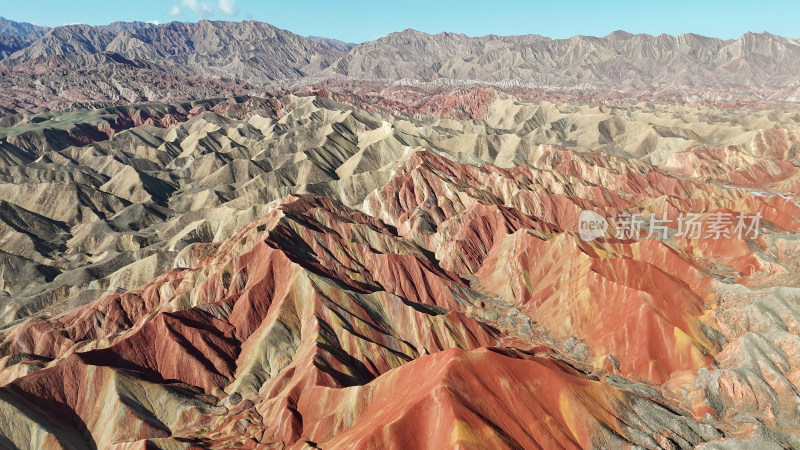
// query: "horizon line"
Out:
[161,24]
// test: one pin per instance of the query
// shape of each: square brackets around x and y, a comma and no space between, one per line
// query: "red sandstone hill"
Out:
[296,272]
[319,324]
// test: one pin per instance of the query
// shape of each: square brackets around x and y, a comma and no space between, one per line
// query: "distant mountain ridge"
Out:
[251,51]
[762,66]
[21,28]
[15,36]
[617,60]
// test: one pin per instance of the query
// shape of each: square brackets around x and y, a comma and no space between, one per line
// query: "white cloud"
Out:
[228,7]
[204,8]
[153,22]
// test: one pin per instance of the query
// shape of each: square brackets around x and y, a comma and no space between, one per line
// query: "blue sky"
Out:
[361,20]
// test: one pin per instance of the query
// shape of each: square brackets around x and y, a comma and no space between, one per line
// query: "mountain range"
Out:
[404,271]
[222,235]
[98,64]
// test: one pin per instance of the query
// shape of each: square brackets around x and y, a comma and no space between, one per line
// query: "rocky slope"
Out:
[296,271]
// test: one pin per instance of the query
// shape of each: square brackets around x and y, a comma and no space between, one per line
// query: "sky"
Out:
[363,20]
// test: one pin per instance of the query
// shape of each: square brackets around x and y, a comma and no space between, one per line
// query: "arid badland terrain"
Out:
[226,235]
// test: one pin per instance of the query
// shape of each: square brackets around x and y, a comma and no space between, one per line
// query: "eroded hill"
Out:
[298,271]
